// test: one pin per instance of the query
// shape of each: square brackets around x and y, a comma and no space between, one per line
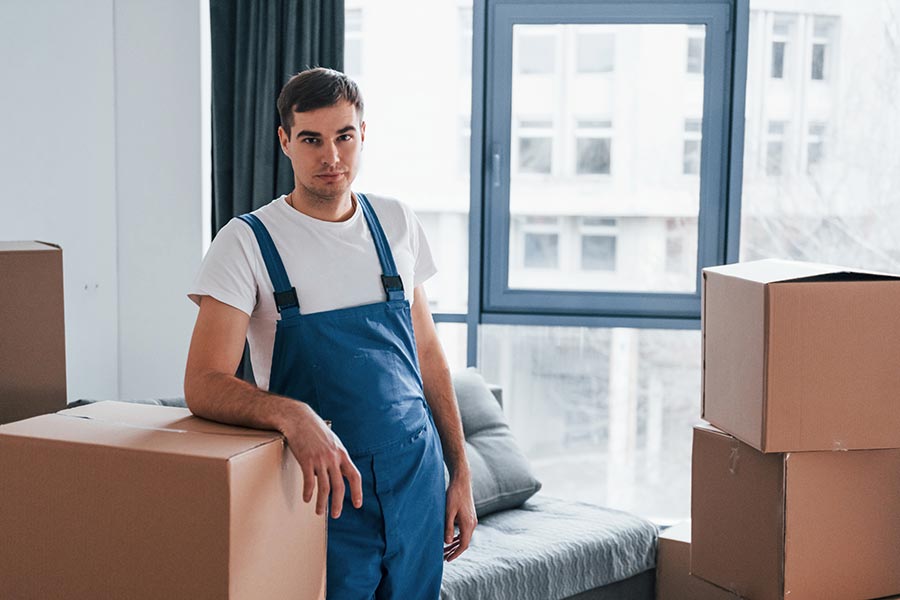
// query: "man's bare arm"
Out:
[442,400]
[213,392]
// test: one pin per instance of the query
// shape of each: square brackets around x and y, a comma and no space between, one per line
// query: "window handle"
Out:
[496,165]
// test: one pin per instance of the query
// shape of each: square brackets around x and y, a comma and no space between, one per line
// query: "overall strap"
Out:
[390,279]
[285,294]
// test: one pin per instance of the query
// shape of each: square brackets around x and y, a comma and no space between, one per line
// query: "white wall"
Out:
[99,152]
[157,59]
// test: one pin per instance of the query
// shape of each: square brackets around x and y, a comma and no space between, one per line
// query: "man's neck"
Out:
[323,209]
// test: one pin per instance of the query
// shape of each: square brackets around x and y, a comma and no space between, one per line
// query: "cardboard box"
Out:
[32,330]
[800,525]
[117,500]
[673,569]
[798,356]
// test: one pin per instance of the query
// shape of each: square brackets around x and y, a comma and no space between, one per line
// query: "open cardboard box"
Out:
[799,356]
[118,500]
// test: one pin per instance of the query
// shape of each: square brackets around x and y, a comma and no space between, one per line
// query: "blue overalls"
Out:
[358,367]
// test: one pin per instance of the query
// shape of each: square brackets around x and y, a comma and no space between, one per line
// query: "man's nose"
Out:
[330,154]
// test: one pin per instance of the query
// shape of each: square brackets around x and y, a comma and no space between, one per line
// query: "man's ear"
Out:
[362,131]
[283,140]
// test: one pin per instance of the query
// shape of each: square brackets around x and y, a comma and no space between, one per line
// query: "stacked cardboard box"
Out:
[117,500]
[796,488]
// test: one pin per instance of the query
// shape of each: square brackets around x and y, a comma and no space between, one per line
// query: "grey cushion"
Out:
[501,475]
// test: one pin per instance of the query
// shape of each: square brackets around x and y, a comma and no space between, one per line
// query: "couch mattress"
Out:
[549,549]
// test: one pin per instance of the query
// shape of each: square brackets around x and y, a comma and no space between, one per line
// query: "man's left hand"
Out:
[460,514]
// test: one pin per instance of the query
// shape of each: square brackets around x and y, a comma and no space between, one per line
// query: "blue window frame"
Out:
[491,299]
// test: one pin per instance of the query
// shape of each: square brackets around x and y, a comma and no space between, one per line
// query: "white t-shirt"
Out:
[332,266]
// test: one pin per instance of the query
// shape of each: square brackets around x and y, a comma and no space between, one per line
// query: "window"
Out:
[598,244]
[596,52]
[775,148]
[535,146]
[465,143]
[593,147]
[822,32]
[353,34]
[815,145]
[541,243]
[537,54]
[695,40]
[782,27]
[691,157]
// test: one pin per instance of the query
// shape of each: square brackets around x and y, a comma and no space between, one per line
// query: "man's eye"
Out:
[310,140]
[346,137]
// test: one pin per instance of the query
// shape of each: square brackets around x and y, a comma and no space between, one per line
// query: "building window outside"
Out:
[822,34]
[537,53]
[593,147]
[775,140]
[695,42]
[535,146]
[596,52]
[815,145]
[692,144]
[598,244]
[781,31]
[353,35]
[540,242]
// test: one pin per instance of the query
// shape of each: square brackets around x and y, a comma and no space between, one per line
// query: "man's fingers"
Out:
[309,482]
[353,478]
[324,490]
[448,527]
[337,493]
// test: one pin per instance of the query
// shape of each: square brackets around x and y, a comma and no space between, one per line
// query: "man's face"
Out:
[324,149]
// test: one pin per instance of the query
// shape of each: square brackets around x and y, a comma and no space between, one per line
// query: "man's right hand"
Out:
[323,460]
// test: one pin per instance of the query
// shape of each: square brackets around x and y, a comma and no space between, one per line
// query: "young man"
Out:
[327,286]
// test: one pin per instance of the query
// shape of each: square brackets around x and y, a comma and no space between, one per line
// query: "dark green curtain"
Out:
[256,46]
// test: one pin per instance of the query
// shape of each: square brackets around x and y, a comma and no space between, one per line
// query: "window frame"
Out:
[718,234]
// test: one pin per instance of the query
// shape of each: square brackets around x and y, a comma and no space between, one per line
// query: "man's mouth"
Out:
[330,176]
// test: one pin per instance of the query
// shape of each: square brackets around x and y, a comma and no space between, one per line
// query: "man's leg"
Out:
[356,543]
[411,488]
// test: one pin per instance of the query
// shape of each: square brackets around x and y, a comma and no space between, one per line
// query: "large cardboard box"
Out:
[799,525]
[32,330]
[118,500]
[798,356]
[673,569]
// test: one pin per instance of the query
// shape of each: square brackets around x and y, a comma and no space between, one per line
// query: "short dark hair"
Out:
[316,88]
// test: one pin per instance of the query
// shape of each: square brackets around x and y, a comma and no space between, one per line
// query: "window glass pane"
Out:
[778,60]
[593,156]
[537,54]
[596,52]
[695,49]
[835,199]
[598,252]
[535,154]
[541,250]
[453,340]
[818,61]
[611,147]
[604,415]
[433,178]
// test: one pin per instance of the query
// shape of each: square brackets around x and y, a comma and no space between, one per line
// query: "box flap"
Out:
[142,430]
[776,270]
[27,246]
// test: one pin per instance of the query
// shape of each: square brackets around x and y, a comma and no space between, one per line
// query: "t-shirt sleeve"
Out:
[228,271]
[424,267]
